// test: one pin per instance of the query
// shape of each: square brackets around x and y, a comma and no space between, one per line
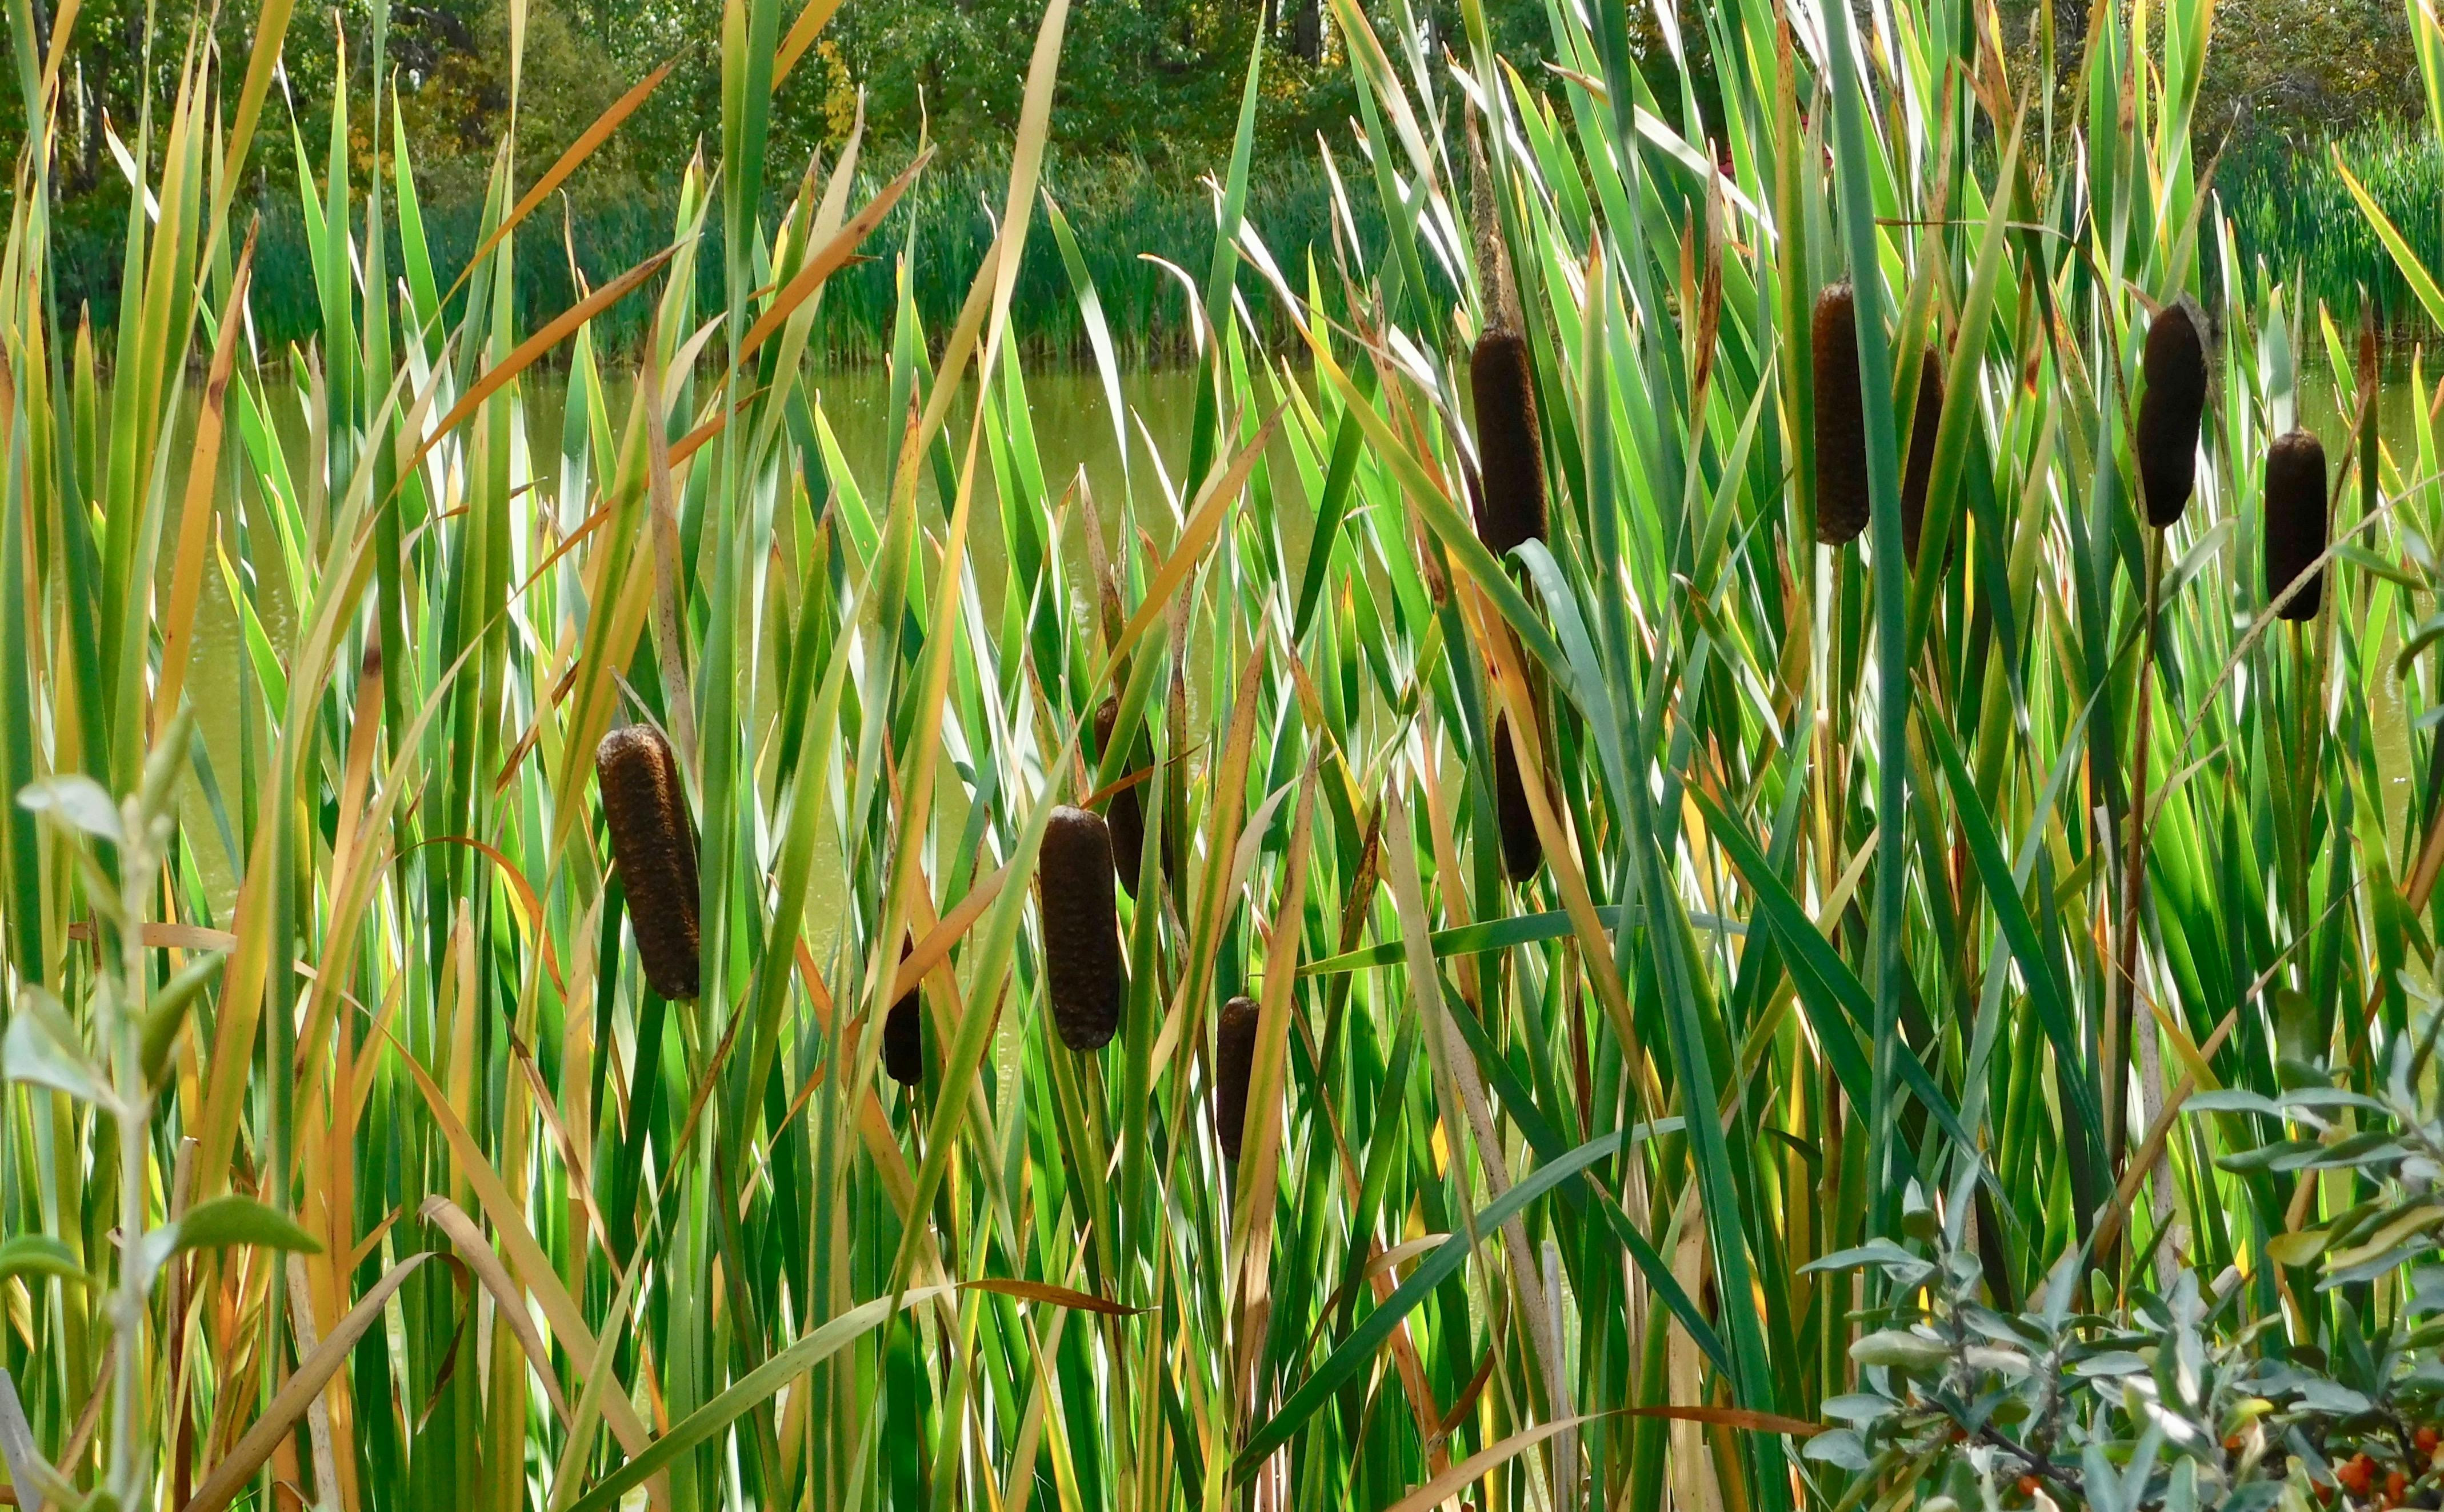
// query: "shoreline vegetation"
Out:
[2287,206]
[1770,840]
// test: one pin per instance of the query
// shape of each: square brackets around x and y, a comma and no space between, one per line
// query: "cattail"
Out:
[1512,460]
[2175,364]
[903,1032]
[2295,523]
[1125,811]
[1234,1062]
[1841,421]
[1924,422]
[654,851]
[1082,935]
[1522,851]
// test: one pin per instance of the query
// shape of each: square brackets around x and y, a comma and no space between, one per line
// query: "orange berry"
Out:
[2357,1474]
[2426,1439]
[2027,1485]
[2397,1484]
[2231,1444]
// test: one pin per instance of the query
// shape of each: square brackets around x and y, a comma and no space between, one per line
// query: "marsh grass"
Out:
[2293,211]
[1862,882]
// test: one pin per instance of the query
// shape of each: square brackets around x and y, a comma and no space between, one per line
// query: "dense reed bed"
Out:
[1121,212]
[2291,209]
[1542,973]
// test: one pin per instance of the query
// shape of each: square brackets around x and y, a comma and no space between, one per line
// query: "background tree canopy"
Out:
[1148,97]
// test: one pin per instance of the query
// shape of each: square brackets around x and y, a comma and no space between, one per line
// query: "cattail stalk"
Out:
[654,851]
[1082,937]
[1506,487]
[1235,1062]
[2295,524]
[1510,505]
[2175,361]
[1523,851]
[1125,811]
[903,1032]
[1926,418]
[1840,419]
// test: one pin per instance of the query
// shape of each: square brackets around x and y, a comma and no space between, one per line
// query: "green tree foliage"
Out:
[1155,81]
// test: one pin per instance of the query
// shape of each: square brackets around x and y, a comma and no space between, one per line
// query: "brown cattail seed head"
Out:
[2176,397]
[1234,1062]
[1840,420]
[654,851]
[1522,851]
[1082,935]
[903,1032]
[1512,459]
[1925,419]
[1125,811]
[2295,523]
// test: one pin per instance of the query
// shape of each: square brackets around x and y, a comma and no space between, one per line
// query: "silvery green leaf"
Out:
[2004,1361]
[2353,1149]
[2232,1099]
[33,1051]
[2331,1098]
[153,1251]
[2012,1332]
[2110,1363]
[2265,1156]
[2323,1396]
[1859,1406]
[2097,1477]
[1841,1447]
[168,757]
[77,800]
[1901,1348]
[2181,1494]
[1881,1252]
[2061,1289]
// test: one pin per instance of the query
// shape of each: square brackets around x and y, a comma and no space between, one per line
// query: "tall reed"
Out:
[1865,902]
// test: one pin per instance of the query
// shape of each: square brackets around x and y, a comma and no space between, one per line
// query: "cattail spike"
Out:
[2295,523]
[1512,458]
[1235,1062]
[654,851]
[1082,937]
[1840,420]
[1523,851]
[903,1032]
[2175,360]
[1925,419]
[1125,811]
